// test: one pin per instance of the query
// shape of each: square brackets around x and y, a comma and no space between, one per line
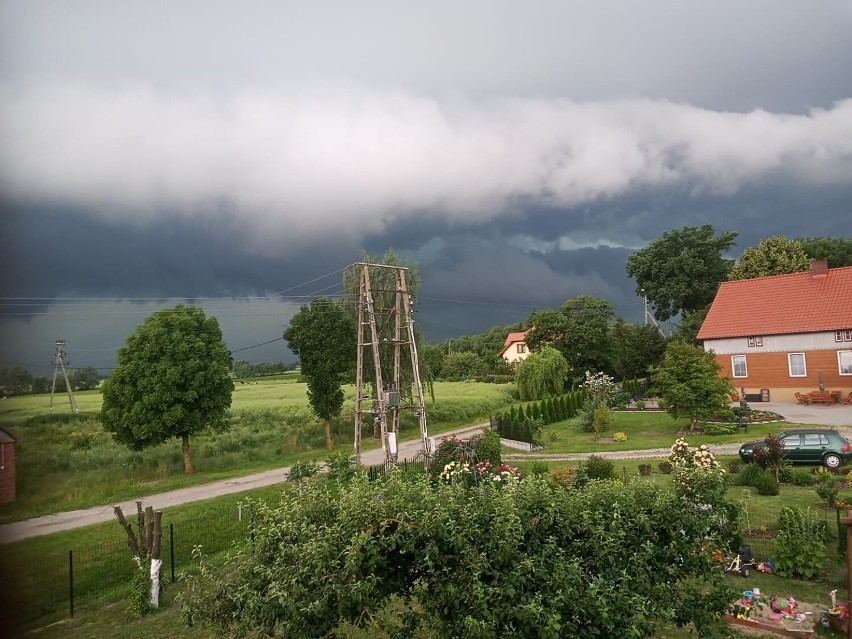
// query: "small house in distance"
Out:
[8,479]
[515,348]
[776,336]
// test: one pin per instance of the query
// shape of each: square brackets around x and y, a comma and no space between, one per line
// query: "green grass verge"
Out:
[644,430]
[68,462]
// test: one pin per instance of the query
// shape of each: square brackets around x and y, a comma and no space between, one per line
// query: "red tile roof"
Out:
[782,304]
[512,338]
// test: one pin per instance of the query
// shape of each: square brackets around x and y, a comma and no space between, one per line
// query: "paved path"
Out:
[97,514]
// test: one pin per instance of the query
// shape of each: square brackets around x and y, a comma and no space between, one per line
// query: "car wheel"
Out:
[832,461]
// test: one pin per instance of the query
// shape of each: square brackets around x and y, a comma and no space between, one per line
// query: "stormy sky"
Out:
[240,155]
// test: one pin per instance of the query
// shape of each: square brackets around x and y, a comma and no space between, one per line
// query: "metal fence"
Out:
[61,581]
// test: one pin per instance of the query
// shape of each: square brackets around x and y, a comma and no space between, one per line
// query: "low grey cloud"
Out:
[297,166]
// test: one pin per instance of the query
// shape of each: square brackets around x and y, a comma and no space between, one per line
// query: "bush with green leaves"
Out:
[749,474]
[533,561]
[800,545]
[619,437]
[719,428]
[826,488]
[488,448]
[539,468]
[601,420]
[302,470]
[801,478]
[766,484]
[597,467]
[341,466]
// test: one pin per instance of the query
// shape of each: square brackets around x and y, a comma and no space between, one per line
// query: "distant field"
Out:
[67,462]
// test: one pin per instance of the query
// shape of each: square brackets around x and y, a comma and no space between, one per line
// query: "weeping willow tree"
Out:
[541,374]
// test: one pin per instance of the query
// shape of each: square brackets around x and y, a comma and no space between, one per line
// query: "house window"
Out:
[847,336]
[738,365]
[796,363]
[844,361]
[522,348]
[838,336]
[755,341]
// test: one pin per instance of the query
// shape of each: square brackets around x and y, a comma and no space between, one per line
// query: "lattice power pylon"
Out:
[389,392]
[59,363]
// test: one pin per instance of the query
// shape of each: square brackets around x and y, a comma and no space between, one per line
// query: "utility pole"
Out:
[59,363]
[387,400]
[648,314]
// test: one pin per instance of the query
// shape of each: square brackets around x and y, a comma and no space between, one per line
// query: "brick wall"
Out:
[7,472]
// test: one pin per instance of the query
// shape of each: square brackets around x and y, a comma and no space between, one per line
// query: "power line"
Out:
[246,348]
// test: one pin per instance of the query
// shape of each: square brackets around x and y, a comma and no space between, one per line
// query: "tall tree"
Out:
[775,255]
[690,324]
[541,374]
[688,380]
[172,381]
[837,250]
[636,348]
[322,335]
[16,379]
[681,270]
[464,365]
[85,378]
[580,330]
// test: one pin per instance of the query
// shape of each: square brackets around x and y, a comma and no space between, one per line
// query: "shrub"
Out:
[489,448]
[716,428]
[302,470]
[539,468]
[802,478]
[599,468]
[800,545]
[341,466]
[662,404]
[749,474]
[827,489]
[641,405]
[644,469]
[620,437]
[563,475]
[766,484]
[585,420]
[665,467]
[734,467]
[771,457]
[601,420]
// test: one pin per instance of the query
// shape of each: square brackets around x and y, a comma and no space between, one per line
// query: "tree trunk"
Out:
[329,442]
[188,467]
[692,424]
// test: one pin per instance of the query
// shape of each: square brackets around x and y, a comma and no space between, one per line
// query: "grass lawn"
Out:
[67,462]
[644,430]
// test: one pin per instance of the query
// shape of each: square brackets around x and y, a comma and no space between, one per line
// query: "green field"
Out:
[68,461]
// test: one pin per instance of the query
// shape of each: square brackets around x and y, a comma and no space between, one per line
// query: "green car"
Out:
[808,446]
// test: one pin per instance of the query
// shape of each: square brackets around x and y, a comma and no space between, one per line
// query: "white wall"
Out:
[777,344]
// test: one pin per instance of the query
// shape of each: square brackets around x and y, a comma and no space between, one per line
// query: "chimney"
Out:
[819,268]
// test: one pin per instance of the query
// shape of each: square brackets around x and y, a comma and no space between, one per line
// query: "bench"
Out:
[817,397]
[803,399]
[848,399]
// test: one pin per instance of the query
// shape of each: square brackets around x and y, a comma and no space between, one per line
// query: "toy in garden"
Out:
[837,615]
[742,562]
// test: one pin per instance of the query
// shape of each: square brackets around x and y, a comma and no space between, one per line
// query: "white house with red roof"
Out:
[515,348]
[775,336]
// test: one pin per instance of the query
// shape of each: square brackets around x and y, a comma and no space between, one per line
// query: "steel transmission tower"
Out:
[59,363]
[388,394]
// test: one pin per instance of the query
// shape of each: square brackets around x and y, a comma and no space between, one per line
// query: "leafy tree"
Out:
[323,337]
[16,379]
[541,374]
[462,366]
[172,380]
[85,378]
[41,384]
[688,381]
[690,324]
[636,348]
[774,255]
[681,270]
[837,250]
[327,564]
[579,330]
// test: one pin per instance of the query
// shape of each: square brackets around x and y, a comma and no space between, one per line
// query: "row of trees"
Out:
[244,369]
[17,380]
